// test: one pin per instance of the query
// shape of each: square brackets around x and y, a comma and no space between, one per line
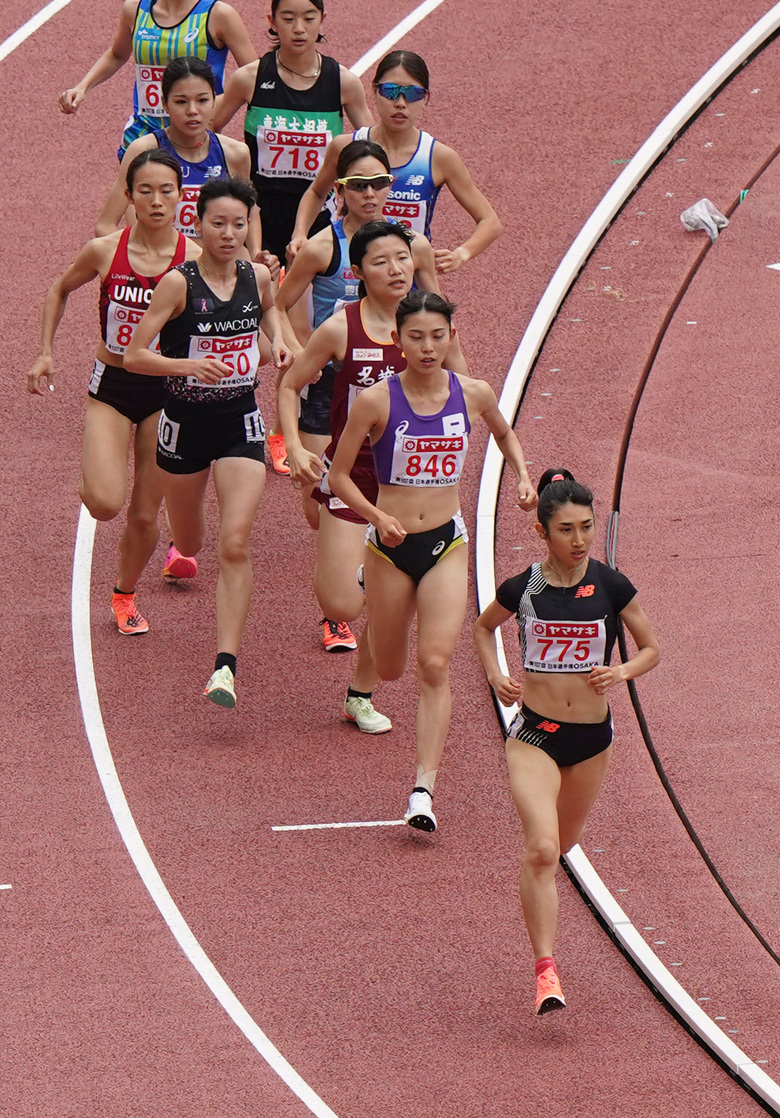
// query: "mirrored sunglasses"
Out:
[362,183]
[391,92]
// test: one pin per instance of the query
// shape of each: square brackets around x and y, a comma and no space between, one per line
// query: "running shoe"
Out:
[129,621]
[278,454]
[220,689]
[549,994]
[420,811]
[337,636]
[178,565]
[361,711]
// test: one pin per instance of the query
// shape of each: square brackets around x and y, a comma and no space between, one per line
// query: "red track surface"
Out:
[392,971]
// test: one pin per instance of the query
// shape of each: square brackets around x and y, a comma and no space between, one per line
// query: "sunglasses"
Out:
[391,92]
[362,183]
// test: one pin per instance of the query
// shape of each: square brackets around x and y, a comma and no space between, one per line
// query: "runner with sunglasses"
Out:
[568,609]
[362,187]
[296,99]
[421,166]
[153,32]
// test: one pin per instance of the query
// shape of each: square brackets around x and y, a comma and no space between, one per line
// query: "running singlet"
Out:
[194,175]
[124,295]
[423,450]
[333,289]
[570,629]
[153,49]
[413,195]
[213,327]
[287,130]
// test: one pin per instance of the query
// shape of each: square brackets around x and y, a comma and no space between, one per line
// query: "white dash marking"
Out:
[338,826]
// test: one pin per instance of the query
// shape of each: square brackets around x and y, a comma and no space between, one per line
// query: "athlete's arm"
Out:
[316,195]
[270,324]
[85,267]
[116,203]
[227,30]
[353,99]
[365,416]
[450,169]
[328,341]
[238,92]
[647,655]
[109,62]
[239,165]
[483,398]
[506,687]
[425,265]
[308,263]
[168,301]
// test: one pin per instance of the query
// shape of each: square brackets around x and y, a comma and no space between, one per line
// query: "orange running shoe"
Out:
[178,565]
[549,994]
[129,621]
[278,454]
[337,636]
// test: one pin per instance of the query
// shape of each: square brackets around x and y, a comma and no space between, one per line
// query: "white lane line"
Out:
[32,25]
[392,37]
[338,826]
[131,836]
[6,886]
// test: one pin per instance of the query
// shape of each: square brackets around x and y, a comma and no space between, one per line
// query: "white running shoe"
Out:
[361,711]
[420,812]
[221,689]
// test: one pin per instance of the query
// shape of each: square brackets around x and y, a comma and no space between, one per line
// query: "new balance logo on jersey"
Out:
[415,180]
[549,727]
[204,327]
[585,591]
[268,85]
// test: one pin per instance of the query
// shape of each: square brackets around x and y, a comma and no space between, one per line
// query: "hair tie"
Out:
[557,477]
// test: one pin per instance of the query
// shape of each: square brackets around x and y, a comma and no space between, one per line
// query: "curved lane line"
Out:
[32,25]
[520,370]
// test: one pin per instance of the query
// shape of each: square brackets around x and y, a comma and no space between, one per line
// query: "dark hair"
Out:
[372,231]
[360,149]
[557,487]
[228,187]
[407,60]
[418,301]
[319,4]
[152,155]
[186,66]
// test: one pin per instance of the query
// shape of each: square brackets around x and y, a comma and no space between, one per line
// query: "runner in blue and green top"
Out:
[153,32]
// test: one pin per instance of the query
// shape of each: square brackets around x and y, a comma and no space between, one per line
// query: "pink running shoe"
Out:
[178,565]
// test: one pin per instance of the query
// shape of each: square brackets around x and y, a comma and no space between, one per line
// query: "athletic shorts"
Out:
[567,743]
[420,551]
[133,395]
[277,216]
[314,418]
[191,436]
[364,476]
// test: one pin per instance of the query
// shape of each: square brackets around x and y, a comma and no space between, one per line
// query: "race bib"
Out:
[285,153]
[148,84]
[564,646]
[240,353]
[120,324]
[425,460]
[187,211]
[410,214]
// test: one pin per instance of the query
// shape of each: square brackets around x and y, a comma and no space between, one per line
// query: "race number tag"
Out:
[287,153]
[410,214]
[148,84]
[187,211]
[240,353]
[564,646]
[427,460]
[120,324]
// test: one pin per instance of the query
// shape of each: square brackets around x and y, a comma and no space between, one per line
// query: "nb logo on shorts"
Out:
[440,546]
[549,727]
[585,591]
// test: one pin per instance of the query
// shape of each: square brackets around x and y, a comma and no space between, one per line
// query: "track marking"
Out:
[32,25]
[338,826]
[6,886]
[392,37]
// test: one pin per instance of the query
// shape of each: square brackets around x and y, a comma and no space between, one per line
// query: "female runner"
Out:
[358,342]
[130,264]
[418,423]
[208,314]
[296,99]
[154,32]
[559,746]
[188,96]
[420,165]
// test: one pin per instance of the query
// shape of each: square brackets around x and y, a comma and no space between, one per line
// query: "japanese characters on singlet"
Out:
[566,629]
[153,49]
[193,176]
[423,450]
[124,295]
[214,327]
[287,130]
[413,195]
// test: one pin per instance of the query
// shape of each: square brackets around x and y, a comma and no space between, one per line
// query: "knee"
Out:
[234,550]
[142,520]
[542,855]
[101,505]
[433,670]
